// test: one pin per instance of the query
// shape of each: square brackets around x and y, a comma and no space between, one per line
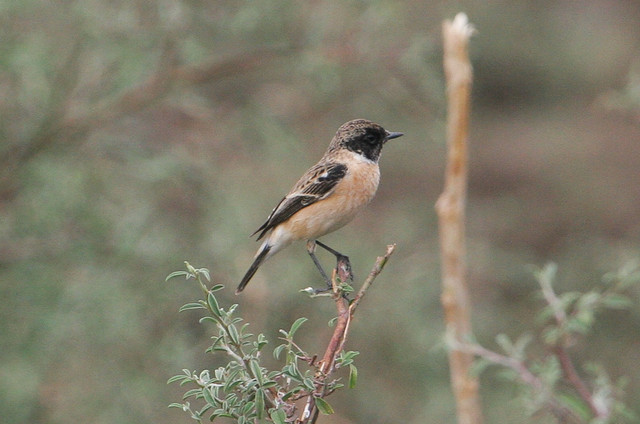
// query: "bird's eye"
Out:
[370,138]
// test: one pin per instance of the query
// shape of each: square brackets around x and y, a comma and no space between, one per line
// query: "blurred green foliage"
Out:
[549,383]
[136,134]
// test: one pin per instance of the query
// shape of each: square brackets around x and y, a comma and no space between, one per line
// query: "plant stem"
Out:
[450,207]
[336,344]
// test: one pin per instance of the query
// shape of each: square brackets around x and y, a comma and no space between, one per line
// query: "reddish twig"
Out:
[346,311]
[561,352]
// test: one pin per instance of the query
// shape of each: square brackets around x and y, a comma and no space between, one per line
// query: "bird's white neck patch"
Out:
[361,158]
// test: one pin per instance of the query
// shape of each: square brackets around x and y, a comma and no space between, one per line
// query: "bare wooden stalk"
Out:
[451,213]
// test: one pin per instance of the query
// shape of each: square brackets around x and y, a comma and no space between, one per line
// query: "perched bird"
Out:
[327,196]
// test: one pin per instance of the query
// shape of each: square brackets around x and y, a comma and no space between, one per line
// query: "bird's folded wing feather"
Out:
[316,184]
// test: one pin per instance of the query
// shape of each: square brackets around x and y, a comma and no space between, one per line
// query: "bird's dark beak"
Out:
[391,135]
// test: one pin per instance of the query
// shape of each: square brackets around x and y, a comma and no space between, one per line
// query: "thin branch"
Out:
[506,361]
[60,128]
[562,413]
[346,310]
[570,373]
[562,353]
[381,261]
[450,207]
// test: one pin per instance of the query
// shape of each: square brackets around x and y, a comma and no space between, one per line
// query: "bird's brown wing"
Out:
[316,184]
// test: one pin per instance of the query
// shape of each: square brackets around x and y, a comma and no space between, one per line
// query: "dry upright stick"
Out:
[450,208]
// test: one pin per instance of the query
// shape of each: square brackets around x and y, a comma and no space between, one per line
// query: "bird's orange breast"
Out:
[350,195]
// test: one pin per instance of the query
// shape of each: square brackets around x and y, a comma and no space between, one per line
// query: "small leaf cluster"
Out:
[572,314]
[243,389]
[552,383]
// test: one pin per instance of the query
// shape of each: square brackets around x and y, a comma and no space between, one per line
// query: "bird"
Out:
[327,196]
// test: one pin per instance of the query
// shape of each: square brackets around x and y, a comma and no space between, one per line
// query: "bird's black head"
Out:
[363,137]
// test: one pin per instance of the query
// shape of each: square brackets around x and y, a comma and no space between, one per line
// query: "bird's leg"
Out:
[311,249]
[341,260]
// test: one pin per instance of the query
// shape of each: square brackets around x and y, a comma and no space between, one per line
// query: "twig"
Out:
[506,361]
[345,314]
[561,352]
[562,413]
[450,208]
[570,373]
[381,261]
[60,128]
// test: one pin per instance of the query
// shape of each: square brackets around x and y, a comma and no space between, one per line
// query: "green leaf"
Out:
[323,406]
[216,340]
[278,416]
[231,384]
[268,384]
[295,326]
[293,391]
[552,335]
[353,376]
[204,409]
[335,385]
[177,274]
[255,369]
[520,346]
[588,300]
[205,272]
[547,274]
[216,287]
[205,319]
[192,392]
[233,333]
[259,404]
[309,383]
[478,366]
[346,358]
[617,301]
[208,396]
[213,304]
[204,376]
[292,372]
[232,400]
[278,350]
[346,288]
[262,341]
[545,314]
[177,378]
[191,306]
[582,322]
[505,343]
[575,405]
[248,408]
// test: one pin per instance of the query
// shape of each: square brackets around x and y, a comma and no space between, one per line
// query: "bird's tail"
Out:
[260,257]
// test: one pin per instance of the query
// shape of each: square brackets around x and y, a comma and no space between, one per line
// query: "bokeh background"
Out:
[138,134]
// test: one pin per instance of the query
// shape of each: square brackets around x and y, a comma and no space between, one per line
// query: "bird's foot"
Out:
[343,268]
